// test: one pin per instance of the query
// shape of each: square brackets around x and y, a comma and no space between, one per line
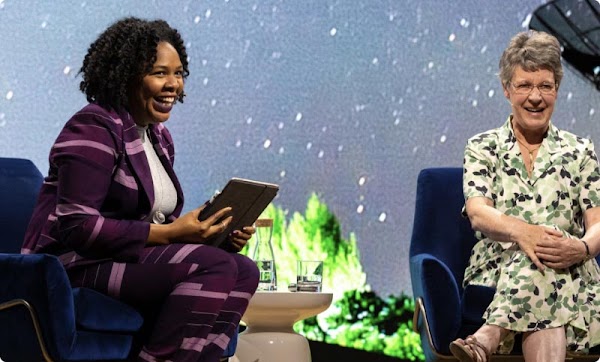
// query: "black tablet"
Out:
[247,198]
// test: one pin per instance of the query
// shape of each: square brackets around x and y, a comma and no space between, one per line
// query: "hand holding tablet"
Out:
[247,198]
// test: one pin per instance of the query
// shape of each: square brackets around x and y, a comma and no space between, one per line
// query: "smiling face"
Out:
[532,111]
[151,100]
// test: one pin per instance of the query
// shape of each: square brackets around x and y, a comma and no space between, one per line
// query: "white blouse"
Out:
[165,194]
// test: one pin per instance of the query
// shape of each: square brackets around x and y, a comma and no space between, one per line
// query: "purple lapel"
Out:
[134,151]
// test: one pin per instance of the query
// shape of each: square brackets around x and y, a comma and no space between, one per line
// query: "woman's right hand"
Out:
[188,229]
[528,237]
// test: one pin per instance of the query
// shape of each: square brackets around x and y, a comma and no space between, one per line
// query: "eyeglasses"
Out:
[527,88]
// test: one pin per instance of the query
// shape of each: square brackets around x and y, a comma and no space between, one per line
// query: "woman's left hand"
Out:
[557,253]
[239,238]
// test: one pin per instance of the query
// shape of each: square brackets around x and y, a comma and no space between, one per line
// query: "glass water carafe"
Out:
[263,254]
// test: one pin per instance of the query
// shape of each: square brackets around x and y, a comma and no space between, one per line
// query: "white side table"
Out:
[270,318]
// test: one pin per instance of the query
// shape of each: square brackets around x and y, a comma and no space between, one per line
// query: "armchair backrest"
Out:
[439,228]
[20,182]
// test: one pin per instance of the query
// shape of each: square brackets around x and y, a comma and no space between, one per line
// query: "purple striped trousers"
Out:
[191,296]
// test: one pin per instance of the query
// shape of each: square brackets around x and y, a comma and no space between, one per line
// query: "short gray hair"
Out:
[532,50]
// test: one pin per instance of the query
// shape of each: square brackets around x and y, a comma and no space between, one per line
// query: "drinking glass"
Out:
[310,276]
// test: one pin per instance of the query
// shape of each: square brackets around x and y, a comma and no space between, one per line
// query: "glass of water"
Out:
[310,276]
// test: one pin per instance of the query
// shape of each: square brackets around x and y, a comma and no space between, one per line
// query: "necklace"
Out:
[531,151]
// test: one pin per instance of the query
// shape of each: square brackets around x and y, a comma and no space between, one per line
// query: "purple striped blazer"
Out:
[98,190]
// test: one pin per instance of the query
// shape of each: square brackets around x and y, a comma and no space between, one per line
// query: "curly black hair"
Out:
[122,55]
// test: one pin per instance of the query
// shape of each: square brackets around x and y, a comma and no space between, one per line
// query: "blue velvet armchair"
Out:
[439,253]
[41,317]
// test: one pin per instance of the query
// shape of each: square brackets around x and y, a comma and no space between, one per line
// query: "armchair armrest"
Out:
[41,281]
[75,324]
[435,285]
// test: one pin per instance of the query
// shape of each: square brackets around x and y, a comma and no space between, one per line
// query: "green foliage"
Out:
[365,321]
[358,318]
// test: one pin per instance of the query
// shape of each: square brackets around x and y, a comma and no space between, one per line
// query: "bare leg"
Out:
[490,336]
[547,345]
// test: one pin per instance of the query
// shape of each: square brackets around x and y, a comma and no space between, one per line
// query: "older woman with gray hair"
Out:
[532,196]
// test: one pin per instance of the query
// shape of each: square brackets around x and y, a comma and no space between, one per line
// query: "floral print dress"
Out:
[564,183]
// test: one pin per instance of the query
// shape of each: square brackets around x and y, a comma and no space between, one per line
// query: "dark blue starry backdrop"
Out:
[345,98]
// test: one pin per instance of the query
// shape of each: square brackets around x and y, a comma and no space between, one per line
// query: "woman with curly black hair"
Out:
[110,205]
